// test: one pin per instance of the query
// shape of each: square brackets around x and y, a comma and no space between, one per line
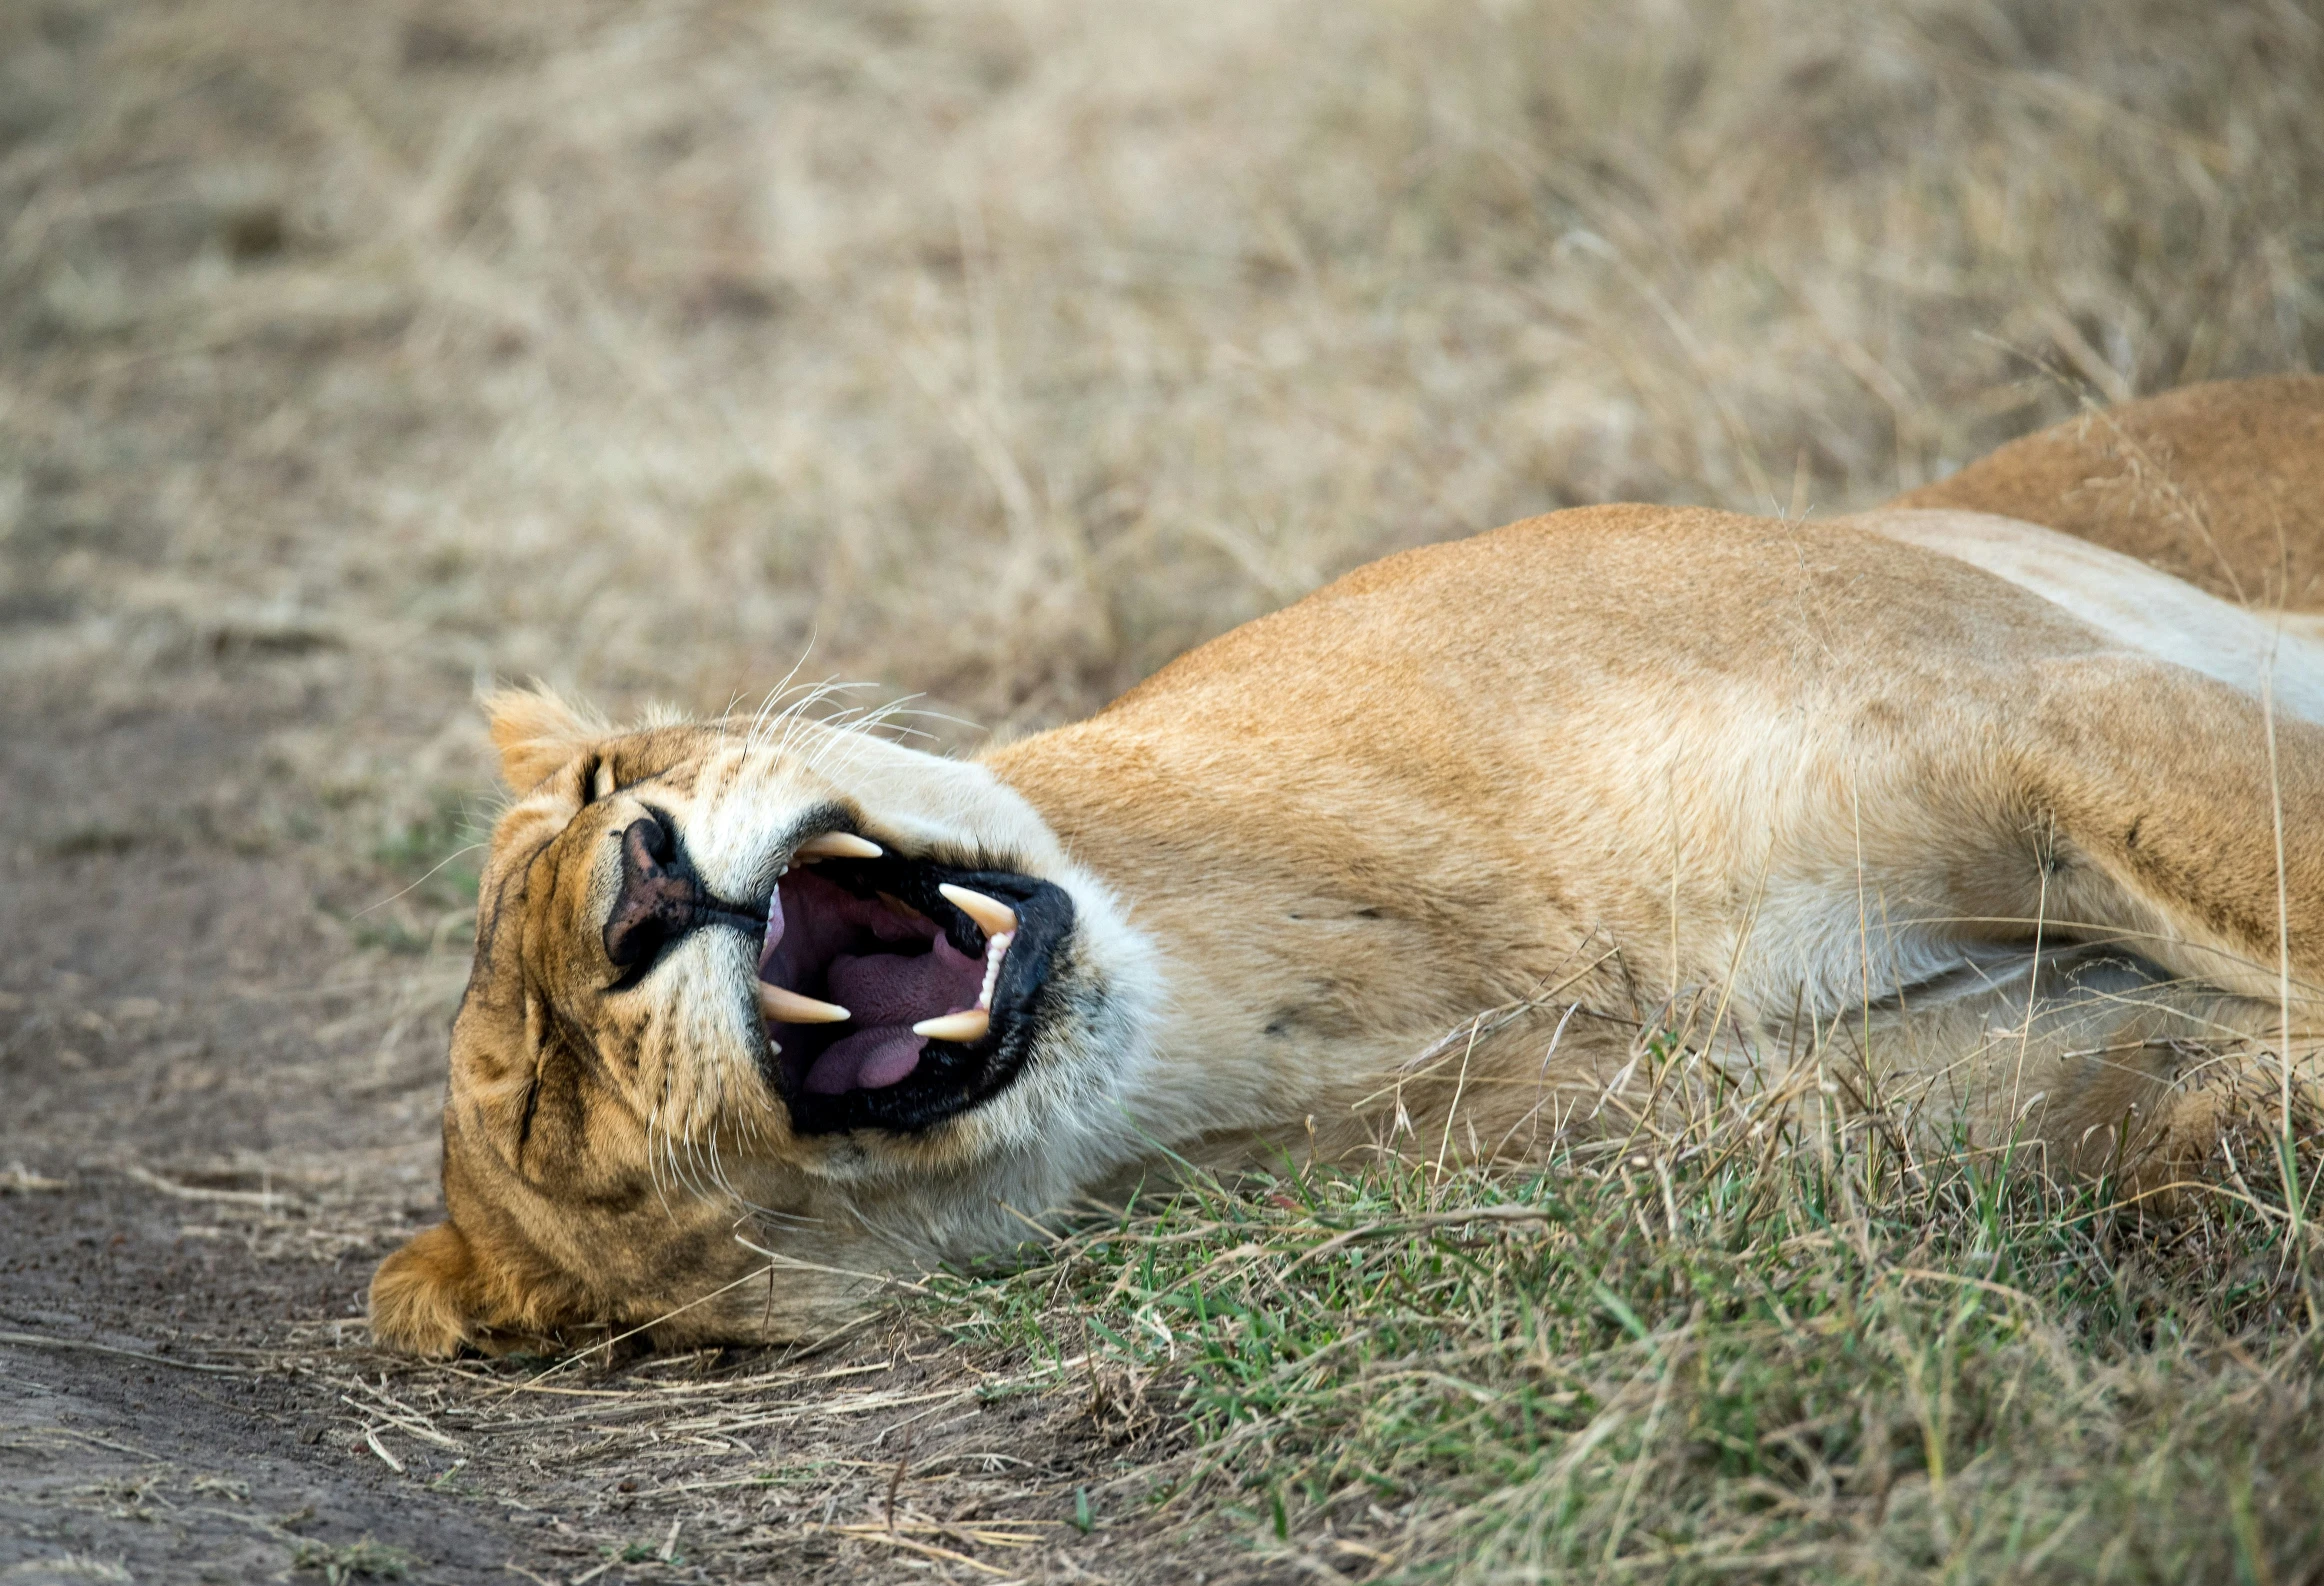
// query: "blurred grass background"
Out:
[1001,349]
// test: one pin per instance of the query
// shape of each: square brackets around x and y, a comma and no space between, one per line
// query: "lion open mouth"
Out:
[897,992]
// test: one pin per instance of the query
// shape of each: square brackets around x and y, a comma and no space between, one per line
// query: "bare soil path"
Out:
[178,1005]
[209,1460]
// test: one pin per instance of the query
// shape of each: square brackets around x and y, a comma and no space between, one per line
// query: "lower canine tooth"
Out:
[992,916]
[969,1026]
[788,1007]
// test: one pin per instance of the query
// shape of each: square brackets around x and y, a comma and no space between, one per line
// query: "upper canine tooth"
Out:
[968,1026]
[789,1007]
[837,845]
[992,916]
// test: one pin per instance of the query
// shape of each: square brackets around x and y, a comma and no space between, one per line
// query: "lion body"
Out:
[2009,813]
[1462,780]
[2221,485]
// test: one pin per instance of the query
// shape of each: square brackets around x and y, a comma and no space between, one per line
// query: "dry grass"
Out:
[996,351]
[1004,349]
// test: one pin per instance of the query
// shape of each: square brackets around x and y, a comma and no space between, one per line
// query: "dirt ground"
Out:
[351,357]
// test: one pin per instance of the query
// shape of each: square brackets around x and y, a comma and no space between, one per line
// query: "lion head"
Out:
[761,1010]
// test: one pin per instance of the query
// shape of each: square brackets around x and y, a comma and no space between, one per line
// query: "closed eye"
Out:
[596,780]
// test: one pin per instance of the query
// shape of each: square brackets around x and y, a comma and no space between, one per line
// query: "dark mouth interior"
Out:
[856,948]
[879,938]
[887,963]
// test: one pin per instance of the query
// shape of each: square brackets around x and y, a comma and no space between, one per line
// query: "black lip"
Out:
[953,1076]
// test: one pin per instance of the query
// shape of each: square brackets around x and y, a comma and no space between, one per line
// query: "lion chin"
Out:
[766,1012]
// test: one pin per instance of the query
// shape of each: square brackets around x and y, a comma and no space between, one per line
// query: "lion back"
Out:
[2219,484]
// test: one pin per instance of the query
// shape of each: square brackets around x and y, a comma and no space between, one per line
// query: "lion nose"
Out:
[661,897]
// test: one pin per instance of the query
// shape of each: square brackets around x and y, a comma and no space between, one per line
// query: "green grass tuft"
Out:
[1705,1360]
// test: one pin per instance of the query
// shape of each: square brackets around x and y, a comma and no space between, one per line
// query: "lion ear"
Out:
[536,733]
[425,1298]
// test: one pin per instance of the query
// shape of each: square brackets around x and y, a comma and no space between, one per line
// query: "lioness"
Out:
[763,1009]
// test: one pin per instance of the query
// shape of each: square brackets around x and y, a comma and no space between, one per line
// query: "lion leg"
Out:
[2092,1059]
[2181,821]
[2180,817]
[2077,1059]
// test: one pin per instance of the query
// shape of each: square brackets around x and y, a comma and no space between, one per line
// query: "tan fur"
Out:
[1432,848]
[2219,484]
[537,734]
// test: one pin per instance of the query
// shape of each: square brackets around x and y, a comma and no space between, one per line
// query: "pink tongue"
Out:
[888,994]
[883,988]
[866,1060]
